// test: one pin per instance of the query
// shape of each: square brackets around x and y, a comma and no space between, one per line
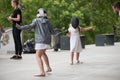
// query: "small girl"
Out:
[74,34]
[43,31]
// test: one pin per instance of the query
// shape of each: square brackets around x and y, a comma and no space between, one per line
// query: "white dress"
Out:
[75,42]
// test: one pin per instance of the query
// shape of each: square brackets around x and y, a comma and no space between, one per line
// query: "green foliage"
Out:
[96,13]
[5,12]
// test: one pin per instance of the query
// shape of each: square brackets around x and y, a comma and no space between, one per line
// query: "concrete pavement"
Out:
[99,63]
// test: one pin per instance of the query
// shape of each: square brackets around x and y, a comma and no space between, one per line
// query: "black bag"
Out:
[29,46]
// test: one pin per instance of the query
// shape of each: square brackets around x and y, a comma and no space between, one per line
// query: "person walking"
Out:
[16,17]
[75,42]
[43,31]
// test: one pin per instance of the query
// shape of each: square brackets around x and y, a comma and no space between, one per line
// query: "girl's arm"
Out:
[86,29]
[68,34]
[51,28]
[25,27]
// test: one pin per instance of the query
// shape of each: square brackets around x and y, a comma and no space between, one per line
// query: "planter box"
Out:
[104,39]
[65,42]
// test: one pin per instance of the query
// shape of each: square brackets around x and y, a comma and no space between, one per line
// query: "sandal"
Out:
[13,57]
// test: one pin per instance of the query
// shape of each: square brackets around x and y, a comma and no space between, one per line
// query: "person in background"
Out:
[16,17]
[116,8]
[43,31]
[1,30]
[75,42]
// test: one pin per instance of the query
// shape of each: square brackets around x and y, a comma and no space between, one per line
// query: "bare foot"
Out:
[49,70]
[78,61]
[41,75]
[71,63]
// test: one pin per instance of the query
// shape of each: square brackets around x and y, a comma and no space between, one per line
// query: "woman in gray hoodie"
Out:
[43,31]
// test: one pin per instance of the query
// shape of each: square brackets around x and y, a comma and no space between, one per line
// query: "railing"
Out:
[6,31]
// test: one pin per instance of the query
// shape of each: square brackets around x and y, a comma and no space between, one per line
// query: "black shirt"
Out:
[14,15]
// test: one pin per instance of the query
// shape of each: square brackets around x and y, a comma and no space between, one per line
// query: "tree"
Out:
[5,9]
[96,13]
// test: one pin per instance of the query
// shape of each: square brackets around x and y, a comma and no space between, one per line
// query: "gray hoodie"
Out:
[43,30]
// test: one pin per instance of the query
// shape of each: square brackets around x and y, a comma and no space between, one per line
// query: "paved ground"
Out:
[99,63]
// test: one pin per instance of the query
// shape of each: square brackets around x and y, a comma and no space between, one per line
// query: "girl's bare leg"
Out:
[45,57]
[77,57]
[39,54]
[72,56]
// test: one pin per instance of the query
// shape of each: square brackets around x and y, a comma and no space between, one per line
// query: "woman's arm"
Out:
[14,19]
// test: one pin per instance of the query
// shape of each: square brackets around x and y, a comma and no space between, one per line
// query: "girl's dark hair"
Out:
[16,1]
[116,5]
[75,22]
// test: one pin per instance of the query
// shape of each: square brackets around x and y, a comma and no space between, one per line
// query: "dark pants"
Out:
[17,41]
